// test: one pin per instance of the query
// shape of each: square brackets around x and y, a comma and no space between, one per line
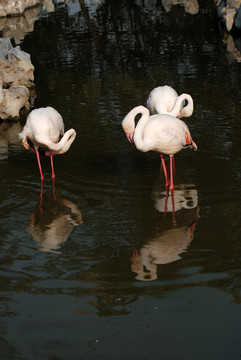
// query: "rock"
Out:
[5,47]
[230,13]
[20,61]
[16,7]
[13,99]
[15,65]
[16,80]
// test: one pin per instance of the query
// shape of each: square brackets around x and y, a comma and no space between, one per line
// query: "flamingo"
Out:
[165,100]
[162,133]
[43,128]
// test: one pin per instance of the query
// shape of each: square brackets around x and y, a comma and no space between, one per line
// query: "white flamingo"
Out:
[43,128]
[162,133]
[165,100]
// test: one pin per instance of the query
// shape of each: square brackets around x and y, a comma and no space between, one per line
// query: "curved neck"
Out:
[178,109]
[64,144]
[138,135]
[71,134]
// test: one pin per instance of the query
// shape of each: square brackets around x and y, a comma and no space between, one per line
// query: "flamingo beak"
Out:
[130,137]
[26,145]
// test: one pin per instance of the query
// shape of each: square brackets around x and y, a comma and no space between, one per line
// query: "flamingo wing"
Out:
[167,134]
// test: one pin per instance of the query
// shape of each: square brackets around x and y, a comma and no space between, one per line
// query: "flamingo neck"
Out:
[178,109]
[63,145]
[71,134]
[139,140]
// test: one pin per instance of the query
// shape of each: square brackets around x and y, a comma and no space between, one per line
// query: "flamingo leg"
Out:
[171,173]
[54,193]
[39,164]
[166,200]
[41,196]
[52,166]
[164,169]
[173,162]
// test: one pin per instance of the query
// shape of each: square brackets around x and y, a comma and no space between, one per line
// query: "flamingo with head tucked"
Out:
[43,128]
[165,100]
[162,133]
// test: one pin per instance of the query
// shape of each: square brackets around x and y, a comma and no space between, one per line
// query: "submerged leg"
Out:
[41,196]
[39,165]
[54,193]
[164,169]
[173,207]
[52,166]
[166,200]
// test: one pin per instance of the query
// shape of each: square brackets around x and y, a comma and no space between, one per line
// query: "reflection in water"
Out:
[233,48]
[9,138]
[186,197]
[53,220]
[190,6]
[165,246]
[16,27]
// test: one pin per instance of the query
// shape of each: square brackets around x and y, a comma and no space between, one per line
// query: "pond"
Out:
[96,265]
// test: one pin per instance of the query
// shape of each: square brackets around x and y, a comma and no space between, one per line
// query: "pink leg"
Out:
[52,166]
[39,165]
[164,169]
[171,173]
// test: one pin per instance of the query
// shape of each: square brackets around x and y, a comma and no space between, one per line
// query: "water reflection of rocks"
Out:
[165,246]
[53,220]
[9,138]
[190,6]
[16,27]
[233,47]
[17,21]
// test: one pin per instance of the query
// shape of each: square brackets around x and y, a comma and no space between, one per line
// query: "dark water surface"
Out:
[92,267]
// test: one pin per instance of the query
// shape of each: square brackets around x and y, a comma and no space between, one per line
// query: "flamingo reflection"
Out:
[183,197]
[166,245]
[53,220]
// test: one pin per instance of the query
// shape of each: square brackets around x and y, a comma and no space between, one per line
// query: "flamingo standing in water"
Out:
[43,128]
[165,100]
[162,133]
